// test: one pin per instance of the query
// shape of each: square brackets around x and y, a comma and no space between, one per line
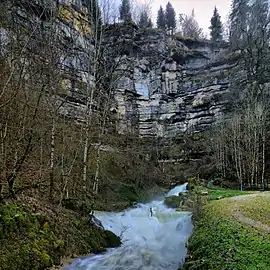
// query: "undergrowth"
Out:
[221,243]
[32,241]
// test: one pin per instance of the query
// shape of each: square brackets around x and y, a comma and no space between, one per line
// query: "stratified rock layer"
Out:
[165,85]
[175,85]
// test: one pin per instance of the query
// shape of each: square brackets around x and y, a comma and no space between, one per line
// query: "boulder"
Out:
[174,201]
[112,240]
[94,221]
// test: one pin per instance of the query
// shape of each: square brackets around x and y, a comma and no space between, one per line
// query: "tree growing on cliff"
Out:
[94,14]
[244,152]
[190,27]
[170,17]
[238,22]
[216,27]
[161,20]
[255,47]
[144,20]
[125,10]
[150,24]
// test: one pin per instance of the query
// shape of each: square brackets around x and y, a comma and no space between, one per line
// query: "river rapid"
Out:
[151,241]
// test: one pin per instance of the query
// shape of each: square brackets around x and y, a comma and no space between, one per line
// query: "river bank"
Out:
[37,235]
[232,233]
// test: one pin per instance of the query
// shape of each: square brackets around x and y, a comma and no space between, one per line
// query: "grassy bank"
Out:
[38,238]
[232,233]
[219,193]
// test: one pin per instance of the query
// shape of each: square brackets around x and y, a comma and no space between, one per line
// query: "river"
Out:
[150,242]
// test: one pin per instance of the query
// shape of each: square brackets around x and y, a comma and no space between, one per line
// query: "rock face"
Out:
[175,85]
[165,85]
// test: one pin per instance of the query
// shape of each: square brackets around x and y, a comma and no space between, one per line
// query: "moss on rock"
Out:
[32,241]
[111,239]
[174,201]
[25,243]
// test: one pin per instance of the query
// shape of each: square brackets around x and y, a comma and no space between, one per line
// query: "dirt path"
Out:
[245,197]
[238,214]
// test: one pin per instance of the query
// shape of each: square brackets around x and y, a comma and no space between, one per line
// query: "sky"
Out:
[203,9]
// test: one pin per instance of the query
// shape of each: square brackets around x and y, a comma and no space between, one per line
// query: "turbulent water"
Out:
[154,242]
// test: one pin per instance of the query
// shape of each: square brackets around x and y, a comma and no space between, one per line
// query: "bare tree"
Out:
[189,26]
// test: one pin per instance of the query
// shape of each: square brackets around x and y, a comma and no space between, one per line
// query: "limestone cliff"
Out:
[166,84]
[175,84]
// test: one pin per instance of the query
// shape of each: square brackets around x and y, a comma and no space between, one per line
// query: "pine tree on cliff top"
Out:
[150,24]
[216,27]
[143,23]
[161,20]
[170,17]
[238,22]
[124,9]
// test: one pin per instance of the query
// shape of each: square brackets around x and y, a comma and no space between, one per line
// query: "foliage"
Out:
[33,241]
[238,22]
[26,240]
[170,17]
[124,9]
[144,19]
[219,242]
[216,27]
[150,23]
[197,197]
[244,155]
[111,239]
[190,27]
[161,20]
[173,201]
[94,13]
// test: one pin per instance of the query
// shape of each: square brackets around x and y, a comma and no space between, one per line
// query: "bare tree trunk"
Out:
[96,180]
[85,161]
[235,148]
[41,159]
[3,157]
[263,157]
[52,159]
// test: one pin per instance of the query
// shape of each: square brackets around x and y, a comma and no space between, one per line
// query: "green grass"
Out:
[221,243]
[216,194]
[257,208]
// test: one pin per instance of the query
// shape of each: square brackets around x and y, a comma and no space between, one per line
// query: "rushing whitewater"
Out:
[154,241]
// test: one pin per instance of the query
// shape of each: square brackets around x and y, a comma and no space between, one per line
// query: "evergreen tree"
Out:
[150,24]
[259,17]
[257,51]
[143,23]
[216,27]
[124,10]
[238,22]
[161,20]
[170,17]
